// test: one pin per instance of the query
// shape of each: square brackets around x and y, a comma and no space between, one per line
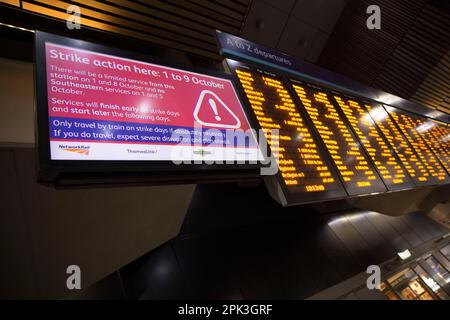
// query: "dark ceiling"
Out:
[186,25]
[408,56]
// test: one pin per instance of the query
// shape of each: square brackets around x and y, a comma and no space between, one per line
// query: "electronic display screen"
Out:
[441,132]
[358,174]
[435,173]
[437,136]
[383,157]
[303,165]
[417,171]
[109,107]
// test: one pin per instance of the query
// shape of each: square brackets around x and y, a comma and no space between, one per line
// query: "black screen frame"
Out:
[118,171]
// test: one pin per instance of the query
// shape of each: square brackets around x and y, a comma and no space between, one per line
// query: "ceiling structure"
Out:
[186,25]
[408,57]
[300,28]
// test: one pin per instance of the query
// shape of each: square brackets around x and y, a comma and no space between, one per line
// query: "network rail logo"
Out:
[80,149]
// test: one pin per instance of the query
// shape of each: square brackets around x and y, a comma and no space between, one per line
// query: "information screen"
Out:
[437,136]
[416,169]
[302,163]
[441,134]
[107,107]
[353,164]
[434,170]
[384,159]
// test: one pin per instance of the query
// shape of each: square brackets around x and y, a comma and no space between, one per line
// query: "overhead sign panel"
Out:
[437,136]
[383,157]
[416,169]
[358,174]
[304,168]
[432,170]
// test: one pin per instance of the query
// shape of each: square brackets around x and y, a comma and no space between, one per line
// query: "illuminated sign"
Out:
[108,114]
[437,137]
[399,144]
[383,158]
[301,162]
[432,169]
[353,165]
[114,108]
[393,160]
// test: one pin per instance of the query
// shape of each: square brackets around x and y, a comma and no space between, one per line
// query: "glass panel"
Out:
[389,167]
[401,276]
[354,166]
[432,168]
[303,165]
[430,282]
[440,271]
[446,251]
[397,141]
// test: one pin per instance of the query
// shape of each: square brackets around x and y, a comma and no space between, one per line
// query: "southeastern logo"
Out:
[84,150]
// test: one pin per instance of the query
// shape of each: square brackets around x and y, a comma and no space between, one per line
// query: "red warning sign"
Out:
[211,111]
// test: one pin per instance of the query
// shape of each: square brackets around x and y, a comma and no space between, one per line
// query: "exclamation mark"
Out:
[213,105]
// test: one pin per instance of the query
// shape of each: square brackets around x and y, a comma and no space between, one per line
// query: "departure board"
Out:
[353,164]
[398,142]
[303,166]
[406,124]
[437,135]
[384,159]
[441,131]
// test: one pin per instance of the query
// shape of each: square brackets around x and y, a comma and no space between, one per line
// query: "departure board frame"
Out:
[388,137]
[330,90]
[396,140]
[443,129]
[427,129]
[276,183]
[418,143]
[374,142]
[376,184]
[441,149]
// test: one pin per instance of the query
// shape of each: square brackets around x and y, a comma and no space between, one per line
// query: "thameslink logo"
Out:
[80,149]
[202,152]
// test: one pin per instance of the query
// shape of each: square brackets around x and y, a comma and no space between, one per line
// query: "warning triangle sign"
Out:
[211,111]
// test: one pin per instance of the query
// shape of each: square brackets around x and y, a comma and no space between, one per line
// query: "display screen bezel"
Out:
[49,169]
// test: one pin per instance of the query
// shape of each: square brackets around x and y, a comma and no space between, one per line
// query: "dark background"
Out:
[236,243]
